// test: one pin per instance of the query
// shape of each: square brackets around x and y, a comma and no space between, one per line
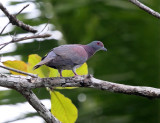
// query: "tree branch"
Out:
[15,21]
[15,16]
[29,95]
[24,84]
[15,40]
[4,28]
[18,71]
[40,108]
[15,82]
[21,10]
[146,8]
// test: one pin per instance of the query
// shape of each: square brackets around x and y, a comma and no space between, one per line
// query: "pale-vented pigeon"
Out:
[70,57]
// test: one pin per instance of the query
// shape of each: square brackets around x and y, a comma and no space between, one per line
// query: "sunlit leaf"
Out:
[20,65]
[83,70]
[42,71]
[53,72]
[63,108]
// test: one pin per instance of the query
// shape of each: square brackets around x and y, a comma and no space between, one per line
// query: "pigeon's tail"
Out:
[44,61]
[36,66]
[39,64]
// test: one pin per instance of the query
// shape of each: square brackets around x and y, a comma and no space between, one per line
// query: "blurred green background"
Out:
[132,38]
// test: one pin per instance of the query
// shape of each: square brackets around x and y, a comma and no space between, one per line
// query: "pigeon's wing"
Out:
[64,55]
[74,53]
[46,59]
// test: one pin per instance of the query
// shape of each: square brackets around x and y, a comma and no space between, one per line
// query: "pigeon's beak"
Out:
[103,48]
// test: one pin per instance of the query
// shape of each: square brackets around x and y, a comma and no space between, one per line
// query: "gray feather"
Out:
[70,56]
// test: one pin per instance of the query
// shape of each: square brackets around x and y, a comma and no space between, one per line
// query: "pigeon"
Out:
[70,57]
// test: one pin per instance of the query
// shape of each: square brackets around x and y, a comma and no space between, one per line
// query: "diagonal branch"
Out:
[4,28]
[146,8]
[21,10]
[40,108]
[18,71]
[15,21]
[15,16]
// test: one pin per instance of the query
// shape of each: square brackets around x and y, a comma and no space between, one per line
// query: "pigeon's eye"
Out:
[98,43]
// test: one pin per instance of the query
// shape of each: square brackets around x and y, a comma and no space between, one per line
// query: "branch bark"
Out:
[28,94]
[146,8]
[15,21]
[24,84]
[18,82]
[15,40]
[40,108]
[15,16]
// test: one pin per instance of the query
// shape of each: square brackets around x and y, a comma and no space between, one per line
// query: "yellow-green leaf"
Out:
[42,71]
[53,72]
[83,70]
[20,65]
[63,108]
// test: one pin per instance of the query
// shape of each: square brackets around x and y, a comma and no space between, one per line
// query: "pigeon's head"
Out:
[97,45]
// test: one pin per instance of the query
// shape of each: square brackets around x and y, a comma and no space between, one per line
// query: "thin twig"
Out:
[15,21]
[146,8]
[4,45]
[21,10]
[15,40]
[4,28]
[18,71]
[30,37]
[44,27]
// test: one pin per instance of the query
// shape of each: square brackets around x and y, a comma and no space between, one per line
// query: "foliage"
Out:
[32,61]
[20,65]
[132,39]
[61,106]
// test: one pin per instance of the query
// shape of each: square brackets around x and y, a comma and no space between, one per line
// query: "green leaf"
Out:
[42,71]
[83,70]
[54,73]
[63,108]
[20,65]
